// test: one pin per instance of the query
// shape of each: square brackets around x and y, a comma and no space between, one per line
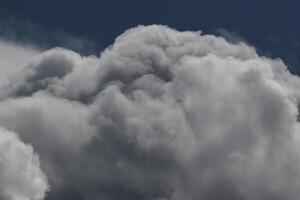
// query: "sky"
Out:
[271,26]
[133,100]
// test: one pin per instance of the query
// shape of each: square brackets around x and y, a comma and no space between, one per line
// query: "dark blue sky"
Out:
[271,26]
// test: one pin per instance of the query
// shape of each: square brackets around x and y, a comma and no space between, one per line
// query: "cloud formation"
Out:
[160,114]
[20,174]
[13,58]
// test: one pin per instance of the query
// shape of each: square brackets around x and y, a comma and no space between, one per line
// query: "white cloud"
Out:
[161,114]
[20,175]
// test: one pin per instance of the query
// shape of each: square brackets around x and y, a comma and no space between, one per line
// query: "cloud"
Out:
[20,174]
[13,58]
[24,32]
[160,114]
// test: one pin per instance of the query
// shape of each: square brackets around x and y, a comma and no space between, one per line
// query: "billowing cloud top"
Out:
[159,115]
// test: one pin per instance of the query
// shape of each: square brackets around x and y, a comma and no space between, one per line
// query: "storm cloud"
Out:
[160,114]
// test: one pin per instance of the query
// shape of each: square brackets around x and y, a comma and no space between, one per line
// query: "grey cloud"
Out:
[13,58]
[160,114]
[40,73]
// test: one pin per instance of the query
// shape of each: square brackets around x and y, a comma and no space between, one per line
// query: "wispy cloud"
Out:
[25,32]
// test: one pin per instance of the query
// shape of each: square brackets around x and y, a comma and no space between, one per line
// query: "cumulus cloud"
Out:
[20,174]
[160,114]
